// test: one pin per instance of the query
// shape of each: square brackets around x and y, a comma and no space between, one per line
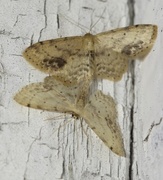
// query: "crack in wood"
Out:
[58,22]
[45,16]
[150,130]
[131,144]
[131,12]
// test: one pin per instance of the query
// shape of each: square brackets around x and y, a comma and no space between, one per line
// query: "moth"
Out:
[105,55]
[97,109]
[73,62]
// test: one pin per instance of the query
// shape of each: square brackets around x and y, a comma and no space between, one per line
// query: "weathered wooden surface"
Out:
[32,147]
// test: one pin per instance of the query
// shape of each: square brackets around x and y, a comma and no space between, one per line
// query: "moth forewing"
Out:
[132,41]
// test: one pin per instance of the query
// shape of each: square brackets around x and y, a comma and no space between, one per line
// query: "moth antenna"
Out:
[76,127]
[83,128]
[92,26]
[57,118]
[75,23]
[66,121]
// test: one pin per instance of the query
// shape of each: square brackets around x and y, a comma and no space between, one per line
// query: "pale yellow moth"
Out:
[98,110]
[105,55]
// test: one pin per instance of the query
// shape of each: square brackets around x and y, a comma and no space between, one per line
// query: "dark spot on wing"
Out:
[55,62]
[133,48]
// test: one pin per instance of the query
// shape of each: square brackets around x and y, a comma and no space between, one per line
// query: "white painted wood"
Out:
[148,111]
[34,148]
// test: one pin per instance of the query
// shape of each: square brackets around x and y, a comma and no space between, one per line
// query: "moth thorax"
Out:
[88,42]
